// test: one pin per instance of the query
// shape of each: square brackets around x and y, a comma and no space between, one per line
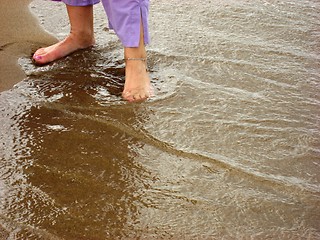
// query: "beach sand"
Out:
[20,35]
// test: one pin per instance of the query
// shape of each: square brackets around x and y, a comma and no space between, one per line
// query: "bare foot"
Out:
[137,82]
[62,48]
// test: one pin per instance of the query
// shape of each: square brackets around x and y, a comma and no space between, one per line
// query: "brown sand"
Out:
[20,35]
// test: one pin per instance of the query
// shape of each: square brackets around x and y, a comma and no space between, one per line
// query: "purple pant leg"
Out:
[78,3]
[125,17]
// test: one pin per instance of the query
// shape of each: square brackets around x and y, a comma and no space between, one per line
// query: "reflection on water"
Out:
[228,148]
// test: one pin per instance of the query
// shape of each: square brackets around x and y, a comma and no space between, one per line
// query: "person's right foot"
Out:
[62,49]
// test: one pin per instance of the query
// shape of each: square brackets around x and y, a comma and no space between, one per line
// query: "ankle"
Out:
[82,38]
[136,64]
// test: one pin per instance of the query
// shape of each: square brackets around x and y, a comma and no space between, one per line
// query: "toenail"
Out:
[37,57]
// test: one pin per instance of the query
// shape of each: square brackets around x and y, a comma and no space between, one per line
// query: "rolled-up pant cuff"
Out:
[79,3]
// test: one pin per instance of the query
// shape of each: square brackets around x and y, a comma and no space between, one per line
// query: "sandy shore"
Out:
[20,35]
[29,24]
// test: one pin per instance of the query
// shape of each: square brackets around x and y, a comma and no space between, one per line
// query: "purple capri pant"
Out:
[124,18]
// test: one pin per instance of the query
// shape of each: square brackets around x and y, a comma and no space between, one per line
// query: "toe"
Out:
[140,96]
[41,59]
[40,52]
[136,96]
[127,96]
[37,58]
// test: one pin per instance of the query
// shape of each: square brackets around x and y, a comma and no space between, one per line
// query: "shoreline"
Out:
[20,34]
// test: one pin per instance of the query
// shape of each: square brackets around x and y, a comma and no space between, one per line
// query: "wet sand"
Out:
[20,35]
[237,159]
[25,27]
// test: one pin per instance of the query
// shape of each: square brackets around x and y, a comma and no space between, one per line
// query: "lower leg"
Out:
[137,81]
[81,36]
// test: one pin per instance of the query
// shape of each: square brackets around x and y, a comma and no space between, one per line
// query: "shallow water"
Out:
[229,148]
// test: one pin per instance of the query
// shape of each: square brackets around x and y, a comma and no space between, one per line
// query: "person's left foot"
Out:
[137,82]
